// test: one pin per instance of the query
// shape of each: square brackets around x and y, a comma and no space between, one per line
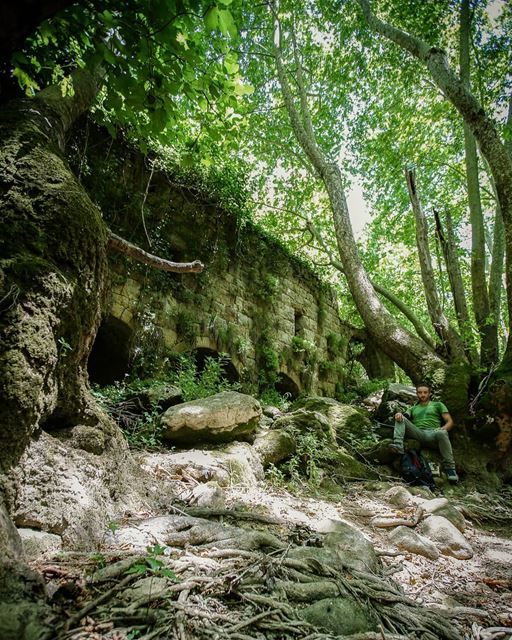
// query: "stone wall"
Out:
[275,320]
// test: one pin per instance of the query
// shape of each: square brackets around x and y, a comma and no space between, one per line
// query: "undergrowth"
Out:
[306,466]
[136,404]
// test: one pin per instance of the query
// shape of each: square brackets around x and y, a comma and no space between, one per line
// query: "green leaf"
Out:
[226,23]
[243,89]
[137,568]
[211,18]
[231,67]
[168,573]
[154,564]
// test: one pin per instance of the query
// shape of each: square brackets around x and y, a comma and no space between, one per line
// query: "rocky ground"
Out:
[222,548]
[223,554]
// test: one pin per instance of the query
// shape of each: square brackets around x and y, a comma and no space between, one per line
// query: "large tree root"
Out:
[234,583]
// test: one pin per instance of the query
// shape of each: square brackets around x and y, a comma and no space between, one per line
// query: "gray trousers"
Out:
[432,438]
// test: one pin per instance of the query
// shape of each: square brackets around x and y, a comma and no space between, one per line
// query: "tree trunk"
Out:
[53,260]
[451,341]
[449,248]
[485,322]
[481,125]
[409,352]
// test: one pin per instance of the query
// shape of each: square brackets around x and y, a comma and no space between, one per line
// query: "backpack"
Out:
[415,470]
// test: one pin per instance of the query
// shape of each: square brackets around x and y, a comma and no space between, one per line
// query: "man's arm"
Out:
[448,421]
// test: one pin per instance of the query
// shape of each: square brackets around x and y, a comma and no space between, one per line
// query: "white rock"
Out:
[208,495]
[73,493]
[447,538]
[36,543]
[398,496]
[408,540]
[350,545]
[236,463]
[218,418]
[441,507]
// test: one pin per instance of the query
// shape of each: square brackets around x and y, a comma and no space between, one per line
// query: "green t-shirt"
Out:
[428,416]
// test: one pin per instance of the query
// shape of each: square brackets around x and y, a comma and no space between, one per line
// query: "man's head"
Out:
[423,392]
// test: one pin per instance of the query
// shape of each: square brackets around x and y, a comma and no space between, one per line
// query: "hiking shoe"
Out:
[452,476]
[396,449]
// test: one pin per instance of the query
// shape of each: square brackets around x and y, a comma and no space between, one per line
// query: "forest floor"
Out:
[222,586]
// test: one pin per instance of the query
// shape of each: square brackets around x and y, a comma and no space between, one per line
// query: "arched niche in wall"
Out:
[229,371]
[110,356]
[286,386]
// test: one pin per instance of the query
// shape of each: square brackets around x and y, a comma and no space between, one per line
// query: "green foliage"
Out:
[210,380]
[335,344]
[99,559]
[141,428]
[164,64]
[267,287]
[268,360]
[186,327]
[153,565]
[307,349]
[357,390]
[140,422]
[64,346]
[304,467]
[273,398]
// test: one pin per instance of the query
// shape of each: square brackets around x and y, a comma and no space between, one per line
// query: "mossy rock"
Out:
[304,421]
[345,421]
[340,616]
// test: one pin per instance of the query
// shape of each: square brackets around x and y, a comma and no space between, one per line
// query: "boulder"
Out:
[345,421]
[408,540]
[322,555]
[273,445]
[340,616]
[304,421]
[272,412]
[397,397]
[398,496]
[402,392]
[349,544]
[36,543]
[207,495]
[236,463]
[447,538]
[74,493]
[223,417]
[441,507]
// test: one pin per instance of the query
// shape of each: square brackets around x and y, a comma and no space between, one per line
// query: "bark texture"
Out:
[407,350]
[449,337]
[480,124]
[53,265]
[136,253]
[485,322]
[448,244]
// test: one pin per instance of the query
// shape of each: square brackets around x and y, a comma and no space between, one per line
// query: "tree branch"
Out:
[439,320]
[395,300]
[481,125]
[118,244]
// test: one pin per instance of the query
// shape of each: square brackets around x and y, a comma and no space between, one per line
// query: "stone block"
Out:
[37,543]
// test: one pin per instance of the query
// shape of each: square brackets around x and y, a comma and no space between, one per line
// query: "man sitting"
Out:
[429,422]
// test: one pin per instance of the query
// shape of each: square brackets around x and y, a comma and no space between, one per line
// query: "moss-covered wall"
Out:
[274,318]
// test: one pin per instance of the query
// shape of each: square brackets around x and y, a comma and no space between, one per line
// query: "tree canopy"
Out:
[198,82]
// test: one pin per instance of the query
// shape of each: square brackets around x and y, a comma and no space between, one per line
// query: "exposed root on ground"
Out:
[215,581]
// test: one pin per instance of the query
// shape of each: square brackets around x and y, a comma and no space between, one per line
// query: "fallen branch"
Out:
[120,245]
